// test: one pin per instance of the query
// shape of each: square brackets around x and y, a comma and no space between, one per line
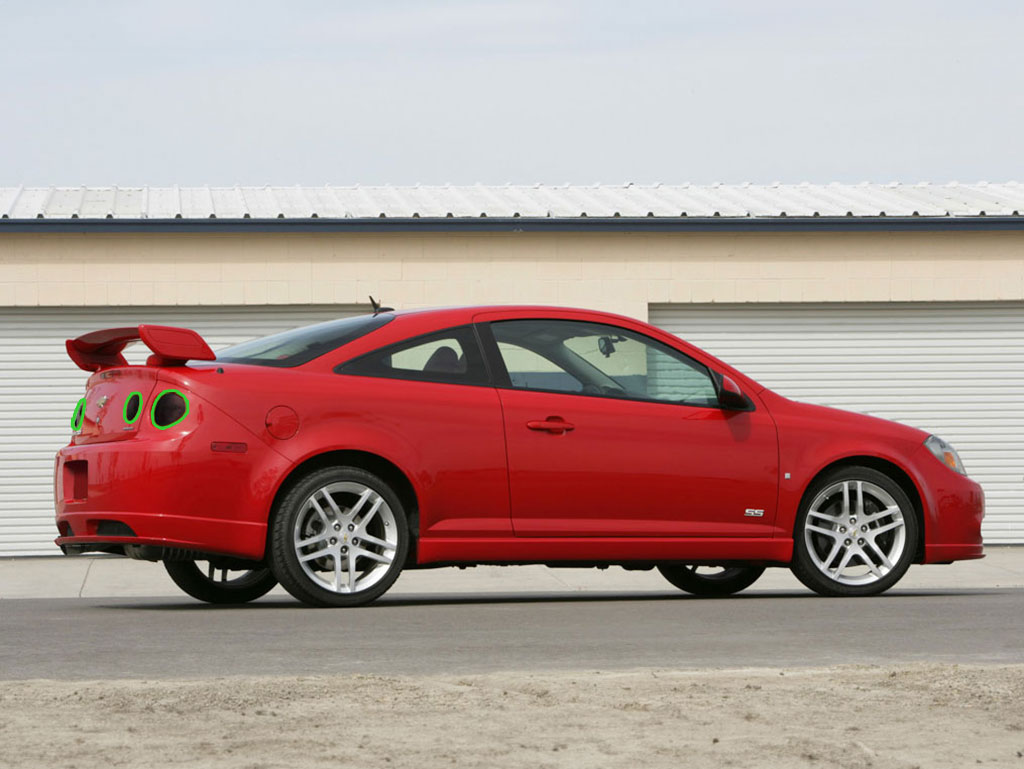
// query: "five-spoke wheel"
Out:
[856,533]
[339,538]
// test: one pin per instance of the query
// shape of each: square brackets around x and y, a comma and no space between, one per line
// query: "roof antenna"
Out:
[377,309]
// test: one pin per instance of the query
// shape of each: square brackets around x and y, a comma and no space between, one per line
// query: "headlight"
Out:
[945,453]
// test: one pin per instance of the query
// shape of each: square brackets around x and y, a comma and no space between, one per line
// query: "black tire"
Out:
[729,580]
[248,586]
[806,565]
[317,581]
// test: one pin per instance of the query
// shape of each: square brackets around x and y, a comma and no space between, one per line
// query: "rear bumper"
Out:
[173,492]
[201,535]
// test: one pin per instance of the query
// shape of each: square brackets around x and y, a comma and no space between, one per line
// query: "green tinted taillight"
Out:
[169,408]
[132,407]
[78,415]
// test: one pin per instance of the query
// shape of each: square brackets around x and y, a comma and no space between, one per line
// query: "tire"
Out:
[856,534]
[339,538]
[725,582]
[248,586]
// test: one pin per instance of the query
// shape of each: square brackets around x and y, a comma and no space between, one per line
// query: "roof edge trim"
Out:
[524,224]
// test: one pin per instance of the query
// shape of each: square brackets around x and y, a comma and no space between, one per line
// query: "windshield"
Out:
[301,345]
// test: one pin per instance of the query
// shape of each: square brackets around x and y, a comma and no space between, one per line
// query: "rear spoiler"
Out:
[171,346]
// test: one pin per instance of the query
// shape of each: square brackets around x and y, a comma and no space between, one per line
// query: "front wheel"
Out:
[339,538]
[214,584]
[856,534]
[711,581]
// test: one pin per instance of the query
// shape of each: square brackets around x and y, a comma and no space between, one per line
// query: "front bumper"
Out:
[946,553]
[954,511]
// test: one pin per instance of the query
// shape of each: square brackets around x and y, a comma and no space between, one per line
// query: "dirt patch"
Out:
[916,716]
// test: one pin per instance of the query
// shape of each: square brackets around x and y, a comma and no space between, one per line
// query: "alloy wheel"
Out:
[855,532]
[345,537]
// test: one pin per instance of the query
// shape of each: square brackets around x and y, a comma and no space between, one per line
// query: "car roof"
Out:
[467,312]
[414,322]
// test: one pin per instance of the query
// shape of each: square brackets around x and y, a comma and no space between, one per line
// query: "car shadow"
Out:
[426,599]
[497,599]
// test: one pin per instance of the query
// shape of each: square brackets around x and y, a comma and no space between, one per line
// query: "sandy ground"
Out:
[919,716]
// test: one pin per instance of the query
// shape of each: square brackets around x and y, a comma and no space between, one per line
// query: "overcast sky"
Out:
[255,93]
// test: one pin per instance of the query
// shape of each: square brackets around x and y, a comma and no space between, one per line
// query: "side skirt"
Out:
[590,550]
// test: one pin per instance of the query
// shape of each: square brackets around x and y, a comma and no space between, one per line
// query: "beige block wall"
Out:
[617,272]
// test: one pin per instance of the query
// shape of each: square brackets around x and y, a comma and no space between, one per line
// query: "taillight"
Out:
[133,408]
[169,408]
[78,415]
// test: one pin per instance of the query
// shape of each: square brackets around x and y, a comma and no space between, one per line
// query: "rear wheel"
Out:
[339,538]
[711,580]
[856,534]
[213,584]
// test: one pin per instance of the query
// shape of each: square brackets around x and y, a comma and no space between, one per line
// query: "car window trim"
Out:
[495,363]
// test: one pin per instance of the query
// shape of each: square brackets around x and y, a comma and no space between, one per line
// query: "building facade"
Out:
[906,302]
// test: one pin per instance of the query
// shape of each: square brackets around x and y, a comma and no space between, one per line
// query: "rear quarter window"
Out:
[451,356]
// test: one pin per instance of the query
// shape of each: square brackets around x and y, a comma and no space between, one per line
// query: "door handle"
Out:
[554,425]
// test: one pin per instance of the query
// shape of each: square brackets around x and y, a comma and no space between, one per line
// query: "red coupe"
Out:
[331,457]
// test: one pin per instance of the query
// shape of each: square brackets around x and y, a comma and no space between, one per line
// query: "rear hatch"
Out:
[115,404]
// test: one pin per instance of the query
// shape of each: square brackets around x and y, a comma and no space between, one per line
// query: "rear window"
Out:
[301,345]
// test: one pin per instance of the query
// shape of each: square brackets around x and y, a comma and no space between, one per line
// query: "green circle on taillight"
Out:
[78,415]
[132,409]
[168,409]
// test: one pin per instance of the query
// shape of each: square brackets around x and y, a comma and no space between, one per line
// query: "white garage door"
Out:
[954,369]
[39,386]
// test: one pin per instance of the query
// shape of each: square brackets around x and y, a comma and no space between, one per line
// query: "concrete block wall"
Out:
[617,272]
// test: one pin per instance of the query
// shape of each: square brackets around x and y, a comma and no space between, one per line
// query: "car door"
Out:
[433,402]
[611,433]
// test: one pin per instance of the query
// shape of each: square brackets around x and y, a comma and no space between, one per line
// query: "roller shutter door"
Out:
[954,369]
[39,386]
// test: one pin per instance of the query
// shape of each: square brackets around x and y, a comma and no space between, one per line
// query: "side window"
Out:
[444,356]
[530,371]
[595,359]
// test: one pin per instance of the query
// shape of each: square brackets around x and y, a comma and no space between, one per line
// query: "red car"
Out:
[331,457]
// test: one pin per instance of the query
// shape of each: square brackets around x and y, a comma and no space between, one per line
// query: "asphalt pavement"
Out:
[497,619]
[97,618]
[452,634]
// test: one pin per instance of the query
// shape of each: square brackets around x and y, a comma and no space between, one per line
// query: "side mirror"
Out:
[730,396]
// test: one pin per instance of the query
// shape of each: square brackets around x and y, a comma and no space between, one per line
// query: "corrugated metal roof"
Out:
[752,201]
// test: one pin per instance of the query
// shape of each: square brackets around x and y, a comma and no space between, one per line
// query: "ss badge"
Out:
[752,513]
